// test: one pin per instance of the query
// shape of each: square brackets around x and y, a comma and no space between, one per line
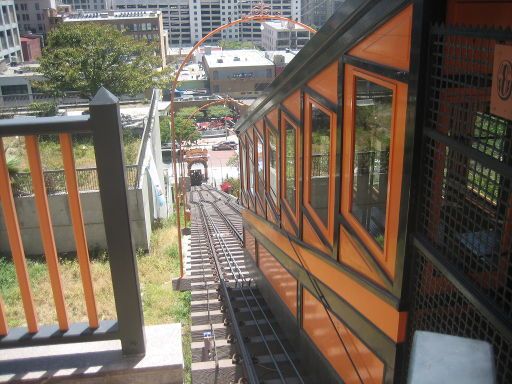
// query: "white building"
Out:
[189,20]
[238,73]
[31,15]
[280,35]
[10,47]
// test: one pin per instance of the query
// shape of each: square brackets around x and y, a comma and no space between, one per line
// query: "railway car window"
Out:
[320,143]
[243,166]
[372,138]
[250,169]
[290,145]
[272,163]
[261,169]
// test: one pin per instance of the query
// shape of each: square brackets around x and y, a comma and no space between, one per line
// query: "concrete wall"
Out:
[140,216]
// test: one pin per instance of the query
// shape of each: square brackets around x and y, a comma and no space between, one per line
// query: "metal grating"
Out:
[466,192]
[439,307]
[465,202]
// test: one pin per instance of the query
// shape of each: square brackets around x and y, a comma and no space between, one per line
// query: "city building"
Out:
[10,47]
[238,73]
[32,15]
[280,58]
[317,12]
[280,35]
[16,86]
[139,24]
[89,5]
[31,47]
[189,20]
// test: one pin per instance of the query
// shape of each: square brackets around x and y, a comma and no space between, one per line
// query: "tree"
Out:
[219,111]
[186,131]
[235,44]
[84,57]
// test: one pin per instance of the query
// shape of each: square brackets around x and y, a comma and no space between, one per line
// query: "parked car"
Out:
[223,146]
[233,143]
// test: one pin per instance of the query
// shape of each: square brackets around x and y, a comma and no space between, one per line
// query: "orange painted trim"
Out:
[326,83]
[4,329]
[45,226]
[386,256]
[309,102]
[66,145]
[16,244]
[348,355]
[382,314]
[284,284]
[286,205]
[390,44]
[351,256]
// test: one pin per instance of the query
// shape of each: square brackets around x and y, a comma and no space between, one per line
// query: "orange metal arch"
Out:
[173,89]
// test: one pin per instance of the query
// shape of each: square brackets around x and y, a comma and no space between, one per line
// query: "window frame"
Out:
[243,165]
[268,131]
[250,148]
[293,213]
[385,256]
[309,102]
[260,194]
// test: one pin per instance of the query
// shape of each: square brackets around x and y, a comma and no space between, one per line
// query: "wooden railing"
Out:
[104,123]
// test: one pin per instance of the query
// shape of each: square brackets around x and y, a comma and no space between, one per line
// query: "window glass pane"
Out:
[290,162]
[320,150]
[373,112]
[251,168]
[243,166]
[272,163]
[261,170]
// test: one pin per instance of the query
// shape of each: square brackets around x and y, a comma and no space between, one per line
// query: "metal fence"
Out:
[462,280]
[55,181]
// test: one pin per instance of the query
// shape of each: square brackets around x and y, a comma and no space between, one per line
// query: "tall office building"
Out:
[189,20]
[89,5]
[32,15]
[10,47]
[317,12]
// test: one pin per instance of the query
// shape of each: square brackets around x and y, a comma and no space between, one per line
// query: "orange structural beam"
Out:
[15,242]
[45,226]
[82,251]
[3,320]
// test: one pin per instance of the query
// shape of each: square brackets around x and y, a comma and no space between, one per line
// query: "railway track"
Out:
[235,338]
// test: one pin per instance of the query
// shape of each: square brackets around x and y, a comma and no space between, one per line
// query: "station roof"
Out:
[237,58]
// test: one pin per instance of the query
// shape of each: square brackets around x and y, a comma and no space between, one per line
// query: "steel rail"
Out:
[208,306]
[231,260]
[249,366]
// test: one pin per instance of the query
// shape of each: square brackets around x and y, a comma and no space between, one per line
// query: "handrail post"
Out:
[110,160]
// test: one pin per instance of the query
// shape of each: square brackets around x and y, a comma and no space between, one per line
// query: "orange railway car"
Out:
[376,176]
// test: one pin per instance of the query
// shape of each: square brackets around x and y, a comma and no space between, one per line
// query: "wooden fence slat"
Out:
[3,320]
[45,226]
[15,243]
[75,208]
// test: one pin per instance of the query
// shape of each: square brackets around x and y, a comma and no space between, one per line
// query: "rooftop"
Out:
[282,26]
[92,16]
[288,55]
[237,58]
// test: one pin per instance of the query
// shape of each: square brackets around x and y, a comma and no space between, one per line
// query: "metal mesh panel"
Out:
[439,307]
[466,202]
